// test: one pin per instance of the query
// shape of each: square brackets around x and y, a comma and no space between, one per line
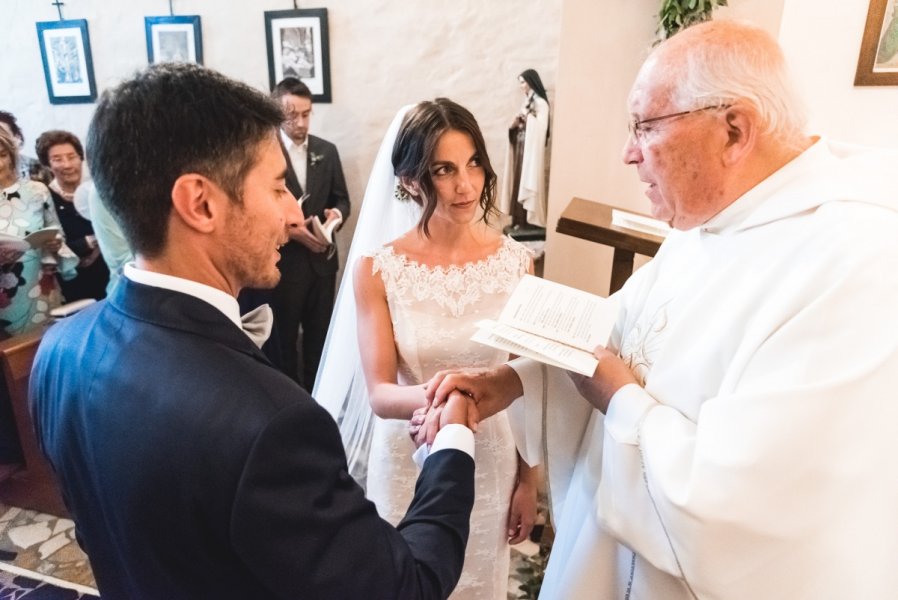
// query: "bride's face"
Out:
[458,177]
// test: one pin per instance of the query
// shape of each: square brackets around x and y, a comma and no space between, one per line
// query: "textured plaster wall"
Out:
[384,54]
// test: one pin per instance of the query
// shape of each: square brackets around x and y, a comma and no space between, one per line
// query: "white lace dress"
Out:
[433,310]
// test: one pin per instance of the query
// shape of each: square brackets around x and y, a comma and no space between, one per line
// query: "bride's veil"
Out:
[340,384]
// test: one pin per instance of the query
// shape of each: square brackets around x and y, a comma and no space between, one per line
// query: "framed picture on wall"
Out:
[298,47]
[174,39]
[878,61]
[68,66]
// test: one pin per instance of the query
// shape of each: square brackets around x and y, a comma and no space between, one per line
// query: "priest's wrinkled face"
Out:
[676,149]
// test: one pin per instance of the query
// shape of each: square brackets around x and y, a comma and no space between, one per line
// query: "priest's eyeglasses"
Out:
[638,128]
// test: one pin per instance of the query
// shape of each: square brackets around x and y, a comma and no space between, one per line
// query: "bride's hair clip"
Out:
[401,194]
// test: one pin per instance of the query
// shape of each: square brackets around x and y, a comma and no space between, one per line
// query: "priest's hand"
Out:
[492,390]
[611,375]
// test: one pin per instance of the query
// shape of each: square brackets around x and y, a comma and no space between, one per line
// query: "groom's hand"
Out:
[458,409]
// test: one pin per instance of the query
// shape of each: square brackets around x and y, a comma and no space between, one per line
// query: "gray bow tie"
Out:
[257,324]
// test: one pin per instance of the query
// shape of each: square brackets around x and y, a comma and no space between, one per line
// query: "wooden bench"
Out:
[33,486]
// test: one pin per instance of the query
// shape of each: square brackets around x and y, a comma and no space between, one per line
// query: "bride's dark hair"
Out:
[416,144]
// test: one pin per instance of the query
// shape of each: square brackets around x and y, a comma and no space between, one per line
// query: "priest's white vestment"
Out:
[759,459]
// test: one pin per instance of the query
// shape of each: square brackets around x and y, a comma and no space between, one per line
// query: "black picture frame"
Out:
[298,46]
[174,39]
[68,64]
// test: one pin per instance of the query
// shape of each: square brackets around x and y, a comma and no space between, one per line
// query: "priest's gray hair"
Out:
[720,62]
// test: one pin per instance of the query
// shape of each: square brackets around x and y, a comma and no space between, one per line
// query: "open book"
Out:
[14,243]
[324,233]
[551,323]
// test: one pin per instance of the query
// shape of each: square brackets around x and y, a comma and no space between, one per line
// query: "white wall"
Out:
[383,54]
[602,46]
[822,48]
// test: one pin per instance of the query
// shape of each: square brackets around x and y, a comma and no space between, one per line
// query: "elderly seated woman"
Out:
[62,152]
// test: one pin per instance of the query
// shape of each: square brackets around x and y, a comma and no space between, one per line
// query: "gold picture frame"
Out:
[878,60]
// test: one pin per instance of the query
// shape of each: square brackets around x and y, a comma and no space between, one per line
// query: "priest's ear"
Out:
[743,124]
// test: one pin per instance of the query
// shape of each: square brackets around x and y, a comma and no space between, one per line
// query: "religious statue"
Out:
[525,181]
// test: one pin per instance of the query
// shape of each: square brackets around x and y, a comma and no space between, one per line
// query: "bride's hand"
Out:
[415,423]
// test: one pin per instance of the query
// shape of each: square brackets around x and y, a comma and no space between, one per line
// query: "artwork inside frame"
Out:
[68,65]
[174,39]
[878,60]
[297,43]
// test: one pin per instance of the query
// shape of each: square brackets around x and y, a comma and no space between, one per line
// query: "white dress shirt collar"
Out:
[224,302]
[290,144]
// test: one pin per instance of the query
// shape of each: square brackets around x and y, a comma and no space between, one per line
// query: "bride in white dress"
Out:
[417,300]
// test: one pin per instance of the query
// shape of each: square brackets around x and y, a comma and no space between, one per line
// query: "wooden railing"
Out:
[33,485]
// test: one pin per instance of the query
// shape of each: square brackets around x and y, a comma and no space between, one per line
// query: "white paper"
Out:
[639,223]
[324,233]
[558,312]
[540,349]
[42,236]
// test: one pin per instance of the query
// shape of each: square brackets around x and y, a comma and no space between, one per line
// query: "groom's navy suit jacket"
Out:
[194,469]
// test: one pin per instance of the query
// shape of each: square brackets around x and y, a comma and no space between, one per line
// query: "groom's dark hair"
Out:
[416,144]
[169,120]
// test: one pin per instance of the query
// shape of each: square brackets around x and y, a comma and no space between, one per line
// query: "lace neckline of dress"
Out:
[471,264]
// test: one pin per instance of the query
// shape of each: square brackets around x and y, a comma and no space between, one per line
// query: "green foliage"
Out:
[532,573]
[679,14]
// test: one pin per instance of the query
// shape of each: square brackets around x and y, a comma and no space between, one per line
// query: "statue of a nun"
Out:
[524,184]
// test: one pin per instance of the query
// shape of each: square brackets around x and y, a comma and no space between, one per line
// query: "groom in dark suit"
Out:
[192,467]
[305,295]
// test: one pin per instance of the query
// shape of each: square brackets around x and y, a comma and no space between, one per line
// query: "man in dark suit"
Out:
[305,295]
[192,467]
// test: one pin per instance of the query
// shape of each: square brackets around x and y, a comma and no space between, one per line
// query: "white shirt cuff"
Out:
[452,436]
[627,410]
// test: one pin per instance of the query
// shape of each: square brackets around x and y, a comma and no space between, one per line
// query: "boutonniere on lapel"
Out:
[315,158]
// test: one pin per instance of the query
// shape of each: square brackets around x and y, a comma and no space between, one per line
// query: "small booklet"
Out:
[641,223]
[36,240]
[551,323]
[324,233]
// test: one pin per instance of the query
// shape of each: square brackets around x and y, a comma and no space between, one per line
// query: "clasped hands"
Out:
[464,396]
[428,420]
[476,394]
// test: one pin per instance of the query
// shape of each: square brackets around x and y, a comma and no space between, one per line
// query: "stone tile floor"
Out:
[46,545]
